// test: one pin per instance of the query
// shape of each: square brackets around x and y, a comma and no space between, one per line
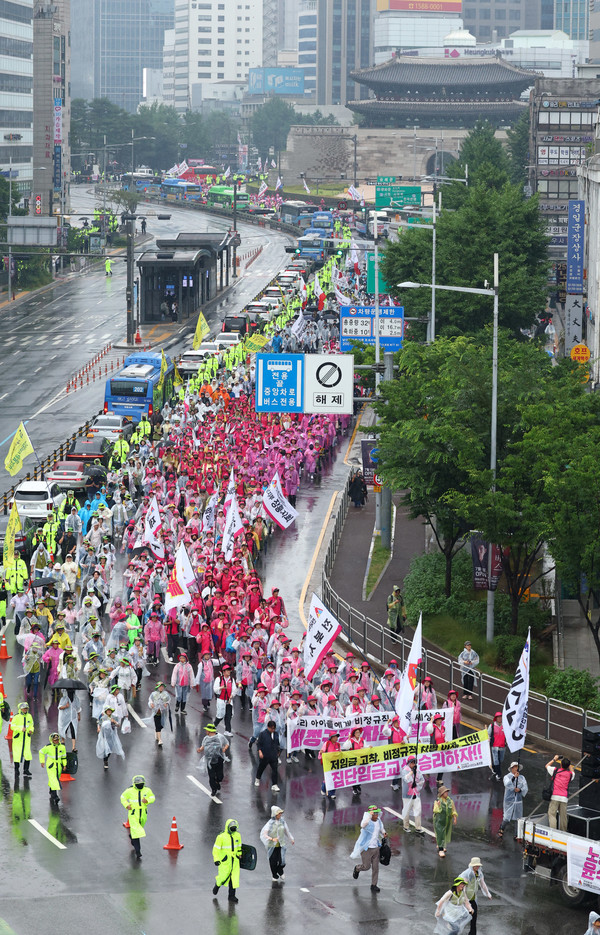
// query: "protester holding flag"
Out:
[515,790]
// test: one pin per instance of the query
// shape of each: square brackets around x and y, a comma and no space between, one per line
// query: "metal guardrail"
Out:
[549,719]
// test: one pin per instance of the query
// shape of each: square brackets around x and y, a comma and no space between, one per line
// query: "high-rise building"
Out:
[16,91]
[288,23]
[51,106]
[220,40]
[307,45]
[344,43]
[489,20]
[401,25]
[112,42]
[573,17]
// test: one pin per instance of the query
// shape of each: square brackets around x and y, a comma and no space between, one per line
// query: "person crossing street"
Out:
[54,757]
[227,851]
[136,800]
[22,728]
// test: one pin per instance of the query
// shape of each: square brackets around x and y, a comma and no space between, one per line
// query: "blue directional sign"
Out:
[357,323]
[279,382]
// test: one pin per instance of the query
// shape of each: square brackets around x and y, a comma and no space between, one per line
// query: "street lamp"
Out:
[494,419]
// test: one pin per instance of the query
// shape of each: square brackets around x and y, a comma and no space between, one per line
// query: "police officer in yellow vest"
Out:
[22,728]
[120,450]
[54,757]
[17,575]
[136,800]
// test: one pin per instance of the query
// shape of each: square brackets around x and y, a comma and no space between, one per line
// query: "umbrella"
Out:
[75,684]
[43,583]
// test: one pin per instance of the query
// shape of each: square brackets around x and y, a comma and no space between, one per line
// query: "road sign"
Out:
[377,480]
[400,195]
[419,220]
[371,276]
[580,353]
[386,179]
[328,383]
[279,382]
[357,323]
[368,465]
[374,455]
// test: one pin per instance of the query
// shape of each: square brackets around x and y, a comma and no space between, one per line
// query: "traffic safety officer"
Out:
[227,851]
[22,728]
[136,800]
[120,451]
[54,757]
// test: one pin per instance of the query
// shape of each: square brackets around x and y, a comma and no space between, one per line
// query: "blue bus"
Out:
[180,190]
[134,391]
[323,219]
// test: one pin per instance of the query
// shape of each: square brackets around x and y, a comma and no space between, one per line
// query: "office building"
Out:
[112,42]
[573,17]
[16,91]
[490,20]
[51,106]
[288,24]
[344,43]
[396,29]
[307,45]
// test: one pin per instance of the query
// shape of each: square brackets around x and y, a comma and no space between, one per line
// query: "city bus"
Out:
[322,220]
[180,190]
[223,195]
[297,212]
[145,183]
[134,391]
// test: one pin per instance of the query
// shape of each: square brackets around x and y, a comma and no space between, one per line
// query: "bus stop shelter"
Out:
[190,270]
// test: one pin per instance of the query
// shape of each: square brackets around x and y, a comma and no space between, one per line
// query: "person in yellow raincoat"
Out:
[136,800]
[227,851]
[54,757]
[22,728]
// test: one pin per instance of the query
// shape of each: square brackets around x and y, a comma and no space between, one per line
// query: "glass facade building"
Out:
[16,91]
[113,41]
[573,17]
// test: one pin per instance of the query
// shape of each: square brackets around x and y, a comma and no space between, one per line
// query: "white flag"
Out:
[263,188]
[273,164]
[306,188]
[279,183]
[340,298]
[230,492]
[208,520]
[259,164]
[321,631]
[183,167]
[514,713]
[279,509]
[181,576]
[354,193]
[299,327]
[233,528]
[406,692]
[303,291]
[152,527]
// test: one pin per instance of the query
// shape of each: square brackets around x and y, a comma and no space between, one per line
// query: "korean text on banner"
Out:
[20,447]
[181,576]
[310,733]
[514,712]
[152,527]
[583,864]
[376,764]
[408,682]
[202,329]
[279,509]
[231,530]
[321,631]
[14,525]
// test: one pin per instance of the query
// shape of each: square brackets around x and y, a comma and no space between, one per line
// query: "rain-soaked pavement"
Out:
[94,886]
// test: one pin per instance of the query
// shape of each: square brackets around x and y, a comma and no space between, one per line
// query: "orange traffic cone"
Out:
[138,337]
[9,733]
[66,777]
[173,844]
[3,649]
[126,824]
[2,692]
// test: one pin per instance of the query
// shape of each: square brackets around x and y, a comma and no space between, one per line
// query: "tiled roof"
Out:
[408,71]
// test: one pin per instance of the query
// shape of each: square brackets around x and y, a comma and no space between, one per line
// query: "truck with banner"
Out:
[569,860]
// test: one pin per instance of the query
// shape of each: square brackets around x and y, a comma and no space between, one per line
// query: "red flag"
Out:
[303,292]
[319,293]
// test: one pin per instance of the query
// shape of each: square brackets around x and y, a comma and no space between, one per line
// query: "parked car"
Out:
[108,425]
[36,498]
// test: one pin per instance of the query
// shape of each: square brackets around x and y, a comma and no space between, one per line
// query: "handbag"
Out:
[385,853]
[72,762]
[548,791]
[220,707]
[5,711]
[248,858]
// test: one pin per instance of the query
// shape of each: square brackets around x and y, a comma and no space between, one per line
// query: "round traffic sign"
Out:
[329,374]
[377,480]
[374,455]
[580,353]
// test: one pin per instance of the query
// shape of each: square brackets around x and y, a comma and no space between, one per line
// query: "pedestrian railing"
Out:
[550,720]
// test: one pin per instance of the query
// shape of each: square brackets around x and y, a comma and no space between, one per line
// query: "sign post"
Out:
[397,195]
[357,323]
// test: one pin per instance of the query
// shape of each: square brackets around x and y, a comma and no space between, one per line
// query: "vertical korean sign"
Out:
[575,244]
[57,179]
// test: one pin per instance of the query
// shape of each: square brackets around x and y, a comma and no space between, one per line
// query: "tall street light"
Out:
[494,419]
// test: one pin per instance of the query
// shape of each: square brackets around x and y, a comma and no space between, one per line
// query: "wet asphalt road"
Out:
[46,339]
[95,886]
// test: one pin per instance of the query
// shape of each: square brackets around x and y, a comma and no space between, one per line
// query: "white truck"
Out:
[545,855]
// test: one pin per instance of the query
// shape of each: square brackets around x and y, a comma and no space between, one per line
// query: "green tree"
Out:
[270,125]
[161,125]
[487,163]
[576,687]
[316,119]
[518,149]
[490,221]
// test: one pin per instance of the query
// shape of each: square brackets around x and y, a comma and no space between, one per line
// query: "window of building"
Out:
[204,29]
[514,15]
[204,41]
[204,19]
[499,14]
[220,29]
[484,14]
[484,31]
[204,74]
[220,74]
[15,12]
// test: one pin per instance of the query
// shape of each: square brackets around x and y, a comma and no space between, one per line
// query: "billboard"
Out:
[421,6]
[276,81]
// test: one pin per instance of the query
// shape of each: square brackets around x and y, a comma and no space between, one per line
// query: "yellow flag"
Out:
[14,525]
[202,329]
[19,449]
[163,369]
[255,343]
[177,378]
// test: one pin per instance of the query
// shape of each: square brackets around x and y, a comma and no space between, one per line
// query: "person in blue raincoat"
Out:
[84,515]
[515,790]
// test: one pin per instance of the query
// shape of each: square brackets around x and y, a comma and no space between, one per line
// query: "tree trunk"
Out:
[515,601]
[448,585]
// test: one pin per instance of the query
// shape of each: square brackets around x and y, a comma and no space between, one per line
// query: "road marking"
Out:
[398,815]
[20,381]
[163,652]
[136,717]
[204,789]
[314,559]
[46,834]
[3,395]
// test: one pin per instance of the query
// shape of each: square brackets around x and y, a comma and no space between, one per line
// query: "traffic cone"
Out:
[2,692]
[138,337]
[126,824]
[9,733]
[3,650]
[66,777]
[173,844]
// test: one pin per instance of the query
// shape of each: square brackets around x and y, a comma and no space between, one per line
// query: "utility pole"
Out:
[129,288]
[9,235]
[489,629]
[386,493]
[234,276]
[378,366]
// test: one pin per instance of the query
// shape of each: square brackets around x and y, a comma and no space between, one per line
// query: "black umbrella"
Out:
[43,583]
[75,684]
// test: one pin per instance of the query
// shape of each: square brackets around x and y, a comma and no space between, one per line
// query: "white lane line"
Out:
[398,815]
[46,834]
[136,717]
[204,789]
[3,395]
[20,381]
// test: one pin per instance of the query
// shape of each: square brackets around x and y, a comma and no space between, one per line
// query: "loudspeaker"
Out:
[584,823]
[590,768]
[590,797]
[590,740]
